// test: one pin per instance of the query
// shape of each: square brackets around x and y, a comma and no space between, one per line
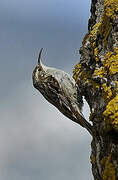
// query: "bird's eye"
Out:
[39,69]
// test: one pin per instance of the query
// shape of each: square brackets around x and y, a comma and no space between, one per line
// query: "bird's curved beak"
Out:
[39,58]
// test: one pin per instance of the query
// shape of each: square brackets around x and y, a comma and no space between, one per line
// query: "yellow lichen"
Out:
[111,114]
[98,36]
[96,51]
[76,71]
[109,169]
[111,61]
[100,72]
[103,27]
[85,76]
[91,117]
[110,64]
[110,6]
[116,82]
[84,40]
[93,34]
[107,92]
[93,159]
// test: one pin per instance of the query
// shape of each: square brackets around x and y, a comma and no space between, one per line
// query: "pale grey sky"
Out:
[37,141]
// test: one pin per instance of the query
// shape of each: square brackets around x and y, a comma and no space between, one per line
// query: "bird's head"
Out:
[39,72]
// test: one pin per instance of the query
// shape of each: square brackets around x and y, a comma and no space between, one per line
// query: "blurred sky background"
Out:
[36,141]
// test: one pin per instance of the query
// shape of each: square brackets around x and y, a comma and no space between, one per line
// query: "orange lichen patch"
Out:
[109,169]
[111,114]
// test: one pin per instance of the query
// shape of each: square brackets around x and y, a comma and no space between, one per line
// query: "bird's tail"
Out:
[79,118]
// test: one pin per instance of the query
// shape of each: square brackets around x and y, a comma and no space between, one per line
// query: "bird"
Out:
[59,89]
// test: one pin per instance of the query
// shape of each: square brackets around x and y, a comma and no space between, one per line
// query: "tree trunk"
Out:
[97,77]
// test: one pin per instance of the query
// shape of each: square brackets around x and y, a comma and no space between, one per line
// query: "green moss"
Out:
[109,169]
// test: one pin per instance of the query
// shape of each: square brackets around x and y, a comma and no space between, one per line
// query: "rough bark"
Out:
[97,77]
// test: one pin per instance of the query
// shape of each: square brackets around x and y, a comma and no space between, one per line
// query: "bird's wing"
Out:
[53,84]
